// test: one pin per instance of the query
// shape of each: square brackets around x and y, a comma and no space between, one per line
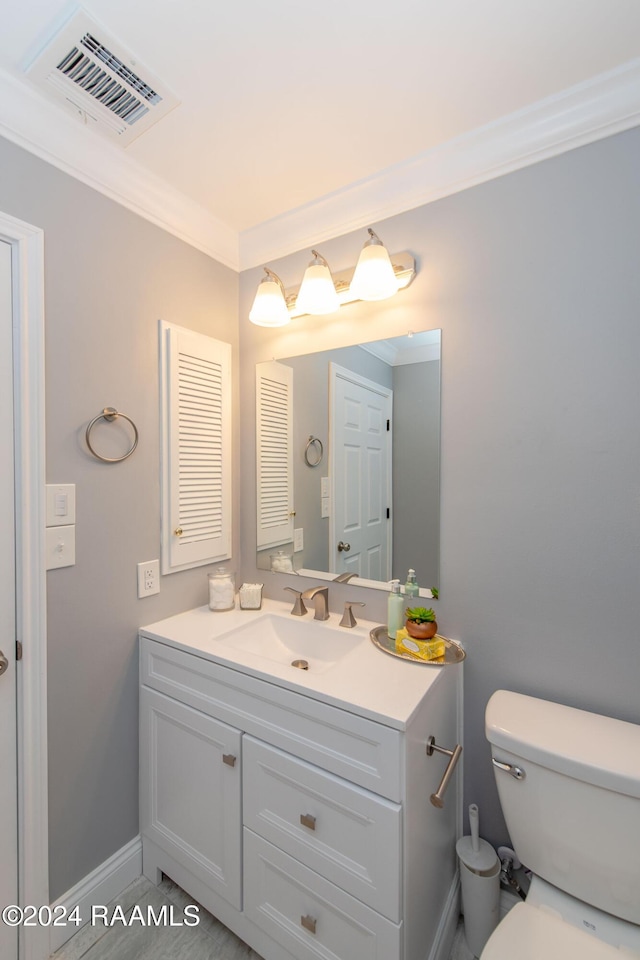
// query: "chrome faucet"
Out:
[319,596]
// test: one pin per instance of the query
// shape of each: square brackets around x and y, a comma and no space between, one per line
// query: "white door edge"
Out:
[27,243]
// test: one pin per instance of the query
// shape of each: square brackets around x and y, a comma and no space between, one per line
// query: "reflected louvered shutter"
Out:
[196,449]
[274,435]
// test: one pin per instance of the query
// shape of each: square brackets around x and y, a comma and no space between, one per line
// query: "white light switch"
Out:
[324,487]
[61,504]
[61,546]
[325,508]
[298,539]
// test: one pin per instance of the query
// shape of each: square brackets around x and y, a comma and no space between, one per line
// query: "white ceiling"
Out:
[349,109]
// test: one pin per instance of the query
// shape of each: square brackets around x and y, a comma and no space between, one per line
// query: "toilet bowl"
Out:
[569,786]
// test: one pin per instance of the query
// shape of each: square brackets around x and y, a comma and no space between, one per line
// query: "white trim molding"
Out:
[599,107]
[27,243]
[26,118]
[102,885]
[589,111]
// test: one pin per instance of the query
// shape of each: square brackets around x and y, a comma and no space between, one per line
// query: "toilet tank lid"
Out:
[583,745]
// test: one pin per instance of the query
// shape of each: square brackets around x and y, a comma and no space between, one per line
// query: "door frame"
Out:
[27,244]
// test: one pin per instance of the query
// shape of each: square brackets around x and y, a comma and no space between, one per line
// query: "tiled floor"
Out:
[210,940]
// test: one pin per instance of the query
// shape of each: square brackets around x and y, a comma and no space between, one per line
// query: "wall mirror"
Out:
[348,461]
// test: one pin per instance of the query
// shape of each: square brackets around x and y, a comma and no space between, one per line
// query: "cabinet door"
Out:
[190,790]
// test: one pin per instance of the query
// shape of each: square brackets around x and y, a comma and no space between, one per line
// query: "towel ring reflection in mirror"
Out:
[313,452]
[110,414]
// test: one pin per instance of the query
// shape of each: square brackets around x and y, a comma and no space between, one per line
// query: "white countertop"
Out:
[366,681]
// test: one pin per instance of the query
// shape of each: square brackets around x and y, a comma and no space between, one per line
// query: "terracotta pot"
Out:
[421,631]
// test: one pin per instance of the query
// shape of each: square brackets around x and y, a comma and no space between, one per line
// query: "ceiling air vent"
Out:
[97,78]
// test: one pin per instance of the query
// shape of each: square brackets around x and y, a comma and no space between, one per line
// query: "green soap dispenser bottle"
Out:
[411,588]
[395,610]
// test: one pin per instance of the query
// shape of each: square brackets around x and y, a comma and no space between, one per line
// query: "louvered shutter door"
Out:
[274,436]
[197,450]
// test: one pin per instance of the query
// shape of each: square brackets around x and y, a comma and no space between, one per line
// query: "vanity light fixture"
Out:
[378,275]
[317,293]
[270,305]
[374,277]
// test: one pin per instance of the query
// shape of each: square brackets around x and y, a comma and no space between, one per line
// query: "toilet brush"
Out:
[476,854]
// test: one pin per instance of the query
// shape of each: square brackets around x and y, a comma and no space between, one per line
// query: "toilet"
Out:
[569,785]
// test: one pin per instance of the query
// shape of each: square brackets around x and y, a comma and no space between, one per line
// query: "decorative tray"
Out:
[453,651]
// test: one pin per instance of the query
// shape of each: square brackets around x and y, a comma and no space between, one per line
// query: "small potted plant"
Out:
[421,623]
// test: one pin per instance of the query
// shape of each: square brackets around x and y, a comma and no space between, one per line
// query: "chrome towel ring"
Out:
[316,450]
[110,414]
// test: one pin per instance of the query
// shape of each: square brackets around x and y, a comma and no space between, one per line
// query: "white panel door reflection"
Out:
[360,470]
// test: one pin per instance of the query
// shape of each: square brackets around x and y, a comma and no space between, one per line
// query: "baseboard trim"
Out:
[98,887]
[443,940]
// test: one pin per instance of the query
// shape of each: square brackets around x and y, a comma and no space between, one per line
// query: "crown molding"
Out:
[589,111]
[605,105]
[28,120]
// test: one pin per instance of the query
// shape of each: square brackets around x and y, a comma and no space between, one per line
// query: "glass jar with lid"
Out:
[281,562]
[222,590]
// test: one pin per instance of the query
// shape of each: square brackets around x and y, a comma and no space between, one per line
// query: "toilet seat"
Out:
[531,933]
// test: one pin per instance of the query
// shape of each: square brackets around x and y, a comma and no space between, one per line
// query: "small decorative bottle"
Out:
[222,590]
[395,610]
[411,588]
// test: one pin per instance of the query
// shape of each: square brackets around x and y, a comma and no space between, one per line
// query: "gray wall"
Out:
[534,280]
[109,276]
[416,471]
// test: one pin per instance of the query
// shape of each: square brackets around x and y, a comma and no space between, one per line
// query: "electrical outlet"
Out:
[148,578]
[298,539]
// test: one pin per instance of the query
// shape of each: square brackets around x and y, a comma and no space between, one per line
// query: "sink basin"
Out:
[285,640]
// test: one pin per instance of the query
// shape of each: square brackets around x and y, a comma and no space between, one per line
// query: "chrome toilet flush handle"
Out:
[514,771]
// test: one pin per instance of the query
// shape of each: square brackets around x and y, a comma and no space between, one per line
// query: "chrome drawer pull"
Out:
[308,821]
[229,759]
[516,772]
[454,756]
[309,923]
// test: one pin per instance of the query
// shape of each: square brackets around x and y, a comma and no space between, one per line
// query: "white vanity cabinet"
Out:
[304,826]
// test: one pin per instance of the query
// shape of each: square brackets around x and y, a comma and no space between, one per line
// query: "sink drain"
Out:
[300,664]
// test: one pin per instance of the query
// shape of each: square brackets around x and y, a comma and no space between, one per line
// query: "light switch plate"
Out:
[60,546]
[298,539]
[324,487]
[325,507]
[61,504]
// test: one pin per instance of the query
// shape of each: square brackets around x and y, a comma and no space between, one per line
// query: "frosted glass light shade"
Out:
[373,278]
[317,293]
[270,307]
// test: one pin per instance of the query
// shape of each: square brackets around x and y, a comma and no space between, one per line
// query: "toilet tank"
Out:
[574,817]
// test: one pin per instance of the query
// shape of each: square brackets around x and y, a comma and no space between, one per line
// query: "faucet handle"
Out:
[348,619]
[299,608]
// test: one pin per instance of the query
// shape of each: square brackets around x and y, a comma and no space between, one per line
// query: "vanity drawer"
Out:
[307,914]
[361,750]
[347,834]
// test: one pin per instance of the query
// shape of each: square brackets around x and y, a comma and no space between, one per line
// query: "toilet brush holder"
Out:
[480,904]
[480,885]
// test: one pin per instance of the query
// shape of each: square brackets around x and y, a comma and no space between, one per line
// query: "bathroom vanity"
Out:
[294,804]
